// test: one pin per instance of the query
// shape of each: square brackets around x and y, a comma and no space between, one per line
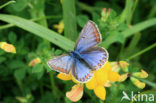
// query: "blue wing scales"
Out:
[81,71]
[95,57]
[89,36]
[61,63]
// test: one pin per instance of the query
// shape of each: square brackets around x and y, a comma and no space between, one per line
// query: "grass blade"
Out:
[39,30]
[139,27]
[69,18]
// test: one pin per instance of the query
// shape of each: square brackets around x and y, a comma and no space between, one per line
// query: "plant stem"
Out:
[143,51]
[52,83]
[133,43]
[9,2]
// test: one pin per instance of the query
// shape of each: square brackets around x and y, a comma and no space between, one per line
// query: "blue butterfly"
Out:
[86,56]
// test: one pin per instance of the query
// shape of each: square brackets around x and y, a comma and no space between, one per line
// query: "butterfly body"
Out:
[86,56]
[75,54]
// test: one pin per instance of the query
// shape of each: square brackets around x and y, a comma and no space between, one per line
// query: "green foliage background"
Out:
[128,34]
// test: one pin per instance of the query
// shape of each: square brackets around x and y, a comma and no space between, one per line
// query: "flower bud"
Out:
[137,83]
[105,14]
[34,62]
[142,74]
[7,47]
[123,77]
[124,66]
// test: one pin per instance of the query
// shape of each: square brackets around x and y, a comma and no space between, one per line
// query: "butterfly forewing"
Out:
[95,57]
[61,63]
[89,37]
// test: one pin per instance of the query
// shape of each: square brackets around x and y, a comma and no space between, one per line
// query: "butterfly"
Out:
[86,57]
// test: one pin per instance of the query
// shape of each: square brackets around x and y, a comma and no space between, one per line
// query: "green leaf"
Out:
[69,19]
[39,30]
[12,37]
[16,64]
[47,67]
[58,52]
[2,59]
[20,5]
[40,74]
[37,68]
[20,73]
[112,38]
[82,19]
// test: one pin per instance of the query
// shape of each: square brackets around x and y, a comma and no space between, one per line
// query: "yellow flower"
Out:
[102,77]
[59,27]
[34,62]
[7,47]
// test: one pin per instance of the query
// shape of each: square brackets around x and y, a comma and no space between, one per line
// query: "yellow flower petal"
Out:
[107,67]
[136,82]
[63,76]
[123,77]
[76,93]
[59,27]
[35,61]
[92,83]
[7,47]
[101,76]
[113,76]
[100,92]
[108,84]
[142,74]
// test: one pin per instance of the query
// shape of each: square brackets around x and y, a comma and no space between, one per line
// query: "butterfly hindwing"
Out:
[89,36]
[81,71]
[61,63]
[95,57]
